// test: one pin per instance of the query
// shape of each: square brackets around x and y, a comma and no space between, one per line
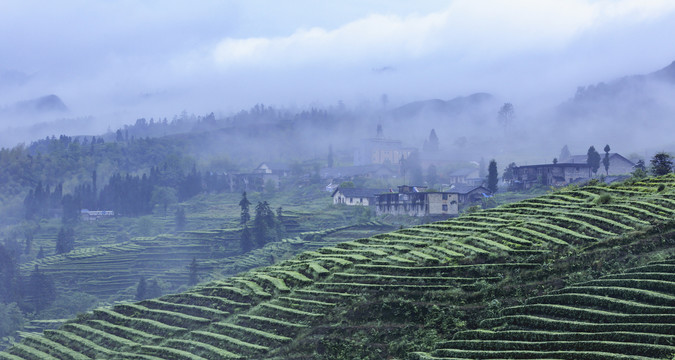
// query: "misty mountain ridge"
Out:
[451,107]
[41,105]
[631,95]
[635,111]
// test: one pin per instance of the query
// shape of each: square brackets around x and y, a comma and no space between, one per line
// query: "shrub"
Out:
[604,198]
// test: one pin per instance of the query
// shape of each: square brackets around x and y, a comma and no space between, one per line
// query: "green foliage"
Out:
[163,196]
[68,304]
[180,219]
[245,213]
[347,185]
[193,273]
[11,319]
[505,115]
[40,290]
[246,241]
[661,164]
[384,296]
[266,227]
[472,209]
[492,179]
[65,240]
[605,160]
[593,159]
[603,199]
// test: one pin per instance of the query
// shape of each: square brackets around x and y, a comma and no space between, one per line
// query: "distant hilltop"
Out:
[627,96]
[451,107]
[44,104]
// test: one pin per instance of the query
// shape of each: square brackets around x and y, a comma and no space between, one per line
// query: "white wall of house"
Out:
[340,198]
[443,204]
[617,166]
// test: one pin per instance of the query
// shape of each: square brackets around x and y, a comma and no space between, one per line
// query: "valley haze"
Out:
[106,64]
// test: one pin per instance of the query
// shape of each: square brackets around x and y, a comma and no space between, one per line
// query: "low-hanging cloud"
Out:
[104,58]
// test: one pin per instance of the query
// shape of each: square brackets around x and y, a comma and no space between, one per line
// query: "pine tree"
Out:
[244,205]
[181,220]
[492,179]
[279,224]
[330,159]
[639,170]
[141,289]
[193,280]
[9,271]
[605,161]
[65,240]
[431,145]
[564,154]
[246,240]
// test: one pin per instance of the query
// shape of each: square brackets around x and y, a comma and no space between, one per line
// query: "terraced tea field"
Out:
[623,316]
[112,271]
[410,291]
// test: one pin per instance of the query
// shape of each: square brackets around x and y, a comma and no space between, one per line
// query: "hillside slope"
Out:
[629,315]
[392,294]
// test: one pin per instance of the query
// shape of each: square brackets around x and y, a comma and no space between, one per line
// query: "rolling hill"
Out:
[581,273]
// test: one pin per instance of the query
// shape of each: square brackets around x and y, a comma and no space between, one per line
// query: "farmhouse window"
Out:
[445,207]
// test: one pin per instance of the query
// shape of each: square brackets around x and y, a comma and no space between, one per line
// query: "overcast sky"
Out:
[119,60]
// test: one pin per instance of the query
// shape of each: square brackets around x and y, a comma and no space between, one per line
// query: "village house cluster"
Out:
[567,171]
[412,200]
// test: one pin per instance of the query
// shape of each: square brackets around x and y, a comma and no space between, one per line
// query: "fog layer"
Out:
[113,62]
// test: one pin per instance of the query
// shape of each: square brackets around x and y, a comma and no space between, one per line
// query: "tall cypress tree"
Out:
[593,159]
[330,159]
[194,279]
[65,240]
[492,179]
[244,205]
[605,161]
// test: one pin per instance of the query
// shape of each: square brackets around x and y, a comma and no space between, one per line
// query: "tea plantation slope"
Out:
[624,316]
[404,284]
[112,271]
